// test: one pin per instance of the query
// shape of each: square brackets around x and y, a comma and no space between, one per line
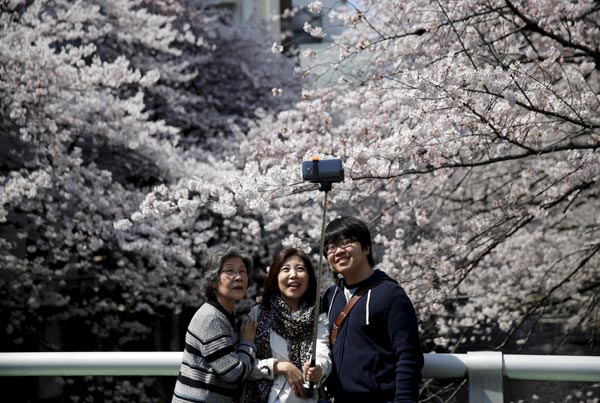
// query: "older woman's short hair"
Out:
[213,265]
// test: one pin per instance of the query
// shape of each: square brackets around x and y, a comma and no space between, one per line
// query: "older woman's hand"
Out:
[247,330]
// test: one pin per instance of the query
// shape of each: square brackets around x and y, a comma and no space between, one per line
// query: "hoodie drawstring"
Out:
[367,307]
[331,303]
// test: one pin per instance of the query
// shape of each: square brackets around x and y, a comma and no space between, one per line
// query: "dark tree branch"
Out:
[534,27]
[495,160]
[540,303]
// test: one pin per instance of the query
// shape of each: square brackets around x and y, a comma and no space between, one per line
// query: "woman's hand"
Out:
[294,377]
[313,374]
[247,330]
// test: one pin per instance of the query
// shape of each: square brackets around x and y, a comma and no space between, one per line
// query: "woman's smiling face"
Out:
[292,281]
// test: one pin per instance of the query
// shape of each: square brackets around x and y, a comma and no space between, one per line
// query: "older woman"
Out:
[284,334]
[214,363]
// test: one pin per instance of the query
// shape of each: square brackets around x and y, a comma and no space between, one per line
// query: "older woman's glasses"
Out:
[232,273]
[344,244]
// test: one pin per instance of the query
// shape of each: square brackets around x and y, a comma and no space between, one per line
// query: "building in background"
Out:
[286,18]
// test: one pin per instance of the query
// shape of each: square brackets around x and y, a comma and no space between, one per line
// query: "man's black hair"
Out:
[352,229]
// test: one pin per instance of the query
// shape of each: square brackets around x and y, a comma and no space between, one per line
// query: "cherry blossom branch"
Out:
[534,27]
[465,164]
[593,250]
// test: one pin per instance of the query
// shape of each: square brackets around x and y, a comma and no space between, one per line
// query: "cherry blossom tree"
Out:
[107,108]
[469,133]
[470,136]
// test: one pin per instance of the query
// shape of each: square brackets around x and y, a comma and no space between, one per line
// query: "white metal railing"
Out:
[484,369]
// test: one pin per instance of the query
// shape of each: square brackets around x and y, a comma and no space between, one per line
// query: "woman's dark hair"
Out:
[271,287]
[212,268]
[351,229]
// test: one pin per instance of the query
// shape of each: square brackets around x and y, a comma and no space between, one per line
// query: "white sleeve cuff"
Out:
[267,368]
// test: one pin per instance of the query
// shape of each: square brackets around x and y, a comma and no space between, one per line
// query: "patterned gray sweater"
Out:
[214,365]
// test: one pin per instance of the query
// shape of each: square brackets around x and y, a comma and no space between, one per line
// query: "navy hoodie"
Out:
[377,354]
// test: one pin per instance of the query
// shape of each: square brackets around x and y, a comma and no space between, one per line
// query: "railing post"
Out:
[485,377]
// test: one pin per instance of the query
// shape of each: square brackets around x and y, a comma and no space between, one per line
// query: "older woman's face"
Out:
[233,280]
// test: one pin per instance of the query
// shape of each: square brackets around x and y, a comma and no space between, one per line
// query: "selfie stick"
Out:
[325,187]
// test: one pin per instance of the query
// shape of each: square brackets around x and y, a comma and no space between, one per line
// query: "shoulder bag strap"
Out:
[349,305]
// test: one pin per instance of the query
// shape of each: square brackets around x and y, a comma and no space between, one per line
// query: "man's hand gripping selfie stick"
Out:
[325,173]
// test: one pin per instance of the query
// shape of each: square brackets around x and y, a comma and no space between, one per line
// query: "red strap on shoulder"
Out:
[349,305]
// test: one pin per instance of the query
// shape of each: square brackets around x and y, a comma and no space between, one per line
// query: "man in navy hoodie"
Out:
[377,351]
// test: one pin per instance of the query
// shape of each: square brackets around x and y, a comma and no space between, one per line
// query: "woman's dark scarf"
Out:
[296,328]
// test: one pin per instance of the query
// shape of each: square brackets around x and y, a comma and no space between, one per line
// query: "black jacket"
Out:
[377,354]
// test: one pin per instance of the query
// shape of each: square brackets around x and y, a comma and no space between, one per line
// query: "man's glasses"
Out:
[343,244]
